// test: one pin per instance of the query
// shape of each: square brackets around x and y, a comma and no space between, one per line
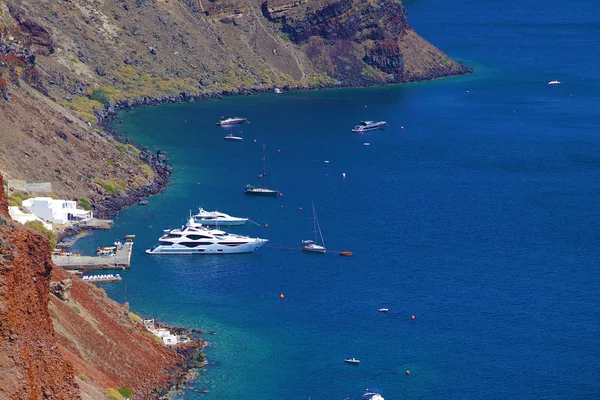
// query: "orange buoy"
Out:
[254,140]
[301,208]
[266,225]
[279,151]
[281,296]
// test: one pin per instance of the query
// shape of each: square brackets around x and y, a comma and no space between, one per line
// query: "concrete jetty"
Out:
[120,259]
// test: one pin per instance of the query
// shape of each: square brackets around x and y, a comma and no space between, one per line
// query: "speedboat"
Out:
[554,82]
[383,309]
[196,239]
[233,138]
[365,126]
[231,121]
[211,218]
[278,91]
[352,361]
[373,394]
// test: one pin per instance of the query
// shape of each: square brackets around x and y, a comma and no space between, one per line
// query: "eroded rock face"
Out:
[62,289]
[358,42]
[32,366]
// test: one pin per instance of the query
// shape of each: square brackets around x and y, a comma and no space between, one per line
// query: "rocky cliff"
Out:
[64,64]
[61,338]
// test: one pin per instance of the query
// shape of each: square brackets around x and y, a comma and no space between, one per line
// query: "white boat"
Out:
[196,239]
[106,251]
[383,309]
[313,246]
[554,82]
[261,191]
[278,91]
[352,361]
[373,394]
[231,121]
[233,138]
[365,126]
[216,218]
[102,278]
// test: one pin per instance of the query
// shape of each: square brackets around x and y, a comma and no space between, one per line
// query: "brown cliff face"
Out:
[31,365]
[360,42]
[62,62]
[71,347]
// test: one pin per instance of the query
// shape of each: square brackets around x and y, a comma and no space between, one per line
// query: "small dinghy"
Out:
[352,361]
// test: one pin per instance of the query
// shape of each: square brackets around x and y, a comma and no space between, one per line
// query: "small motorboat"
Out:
[233,138]
[352,361]
[554,82]
[383,309]
[345,253]
[224,121]
[373,394]
[278,91]
[365,126]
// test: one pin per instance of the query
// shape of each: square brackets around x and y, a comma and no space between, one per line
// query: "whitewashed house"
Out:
[56,211]
[162,333]
[17,215]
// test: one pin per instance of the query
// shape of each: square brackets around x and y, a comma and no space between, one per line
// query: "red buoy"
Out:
[407,372]
[412,318]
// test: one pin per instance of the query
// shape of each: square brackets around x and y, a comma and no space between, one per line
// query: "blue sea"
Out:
[477,211]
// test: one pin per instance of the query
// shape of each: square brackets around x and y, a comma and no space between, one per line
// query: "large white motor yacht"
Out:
[365,126]
[216,218]
[196,239]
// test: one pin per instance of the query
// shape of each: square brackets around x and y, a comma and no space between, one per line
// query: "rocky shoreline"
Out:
[159,162]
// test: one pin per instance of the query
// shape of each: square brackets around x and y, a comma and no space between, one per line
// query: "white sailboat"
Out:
[261,191]
[313,246]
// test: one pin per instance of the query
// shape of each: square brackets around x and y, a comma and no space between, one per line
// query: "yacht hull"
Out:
[209,249]
[261,192]
[315,249]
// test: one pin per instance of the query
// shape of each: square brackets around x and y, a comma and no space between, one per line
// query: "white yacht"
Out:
[196,239]
[554,82]
[216,218]
[365,126]
[231,121]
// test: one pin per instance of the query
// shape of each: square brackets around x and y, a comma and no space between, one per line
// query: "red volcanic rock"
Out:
[32,366]
[71,348]
[3,200]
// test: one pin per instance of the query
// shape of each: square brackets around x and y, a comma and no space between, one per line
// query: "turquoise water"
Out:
[480,218]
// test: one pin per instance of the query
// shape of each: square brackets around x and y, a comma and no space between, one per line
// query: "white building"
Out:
[17,215]
[56,211]
[162,333]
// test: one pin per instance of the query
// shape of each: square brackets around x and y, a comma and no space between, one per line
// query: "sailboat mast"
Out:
[317,227]
[264,174]
[315,222]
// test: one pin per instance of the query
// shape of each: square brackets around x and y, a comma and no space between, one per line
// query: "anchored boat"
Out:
[313,246]
[261,191]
